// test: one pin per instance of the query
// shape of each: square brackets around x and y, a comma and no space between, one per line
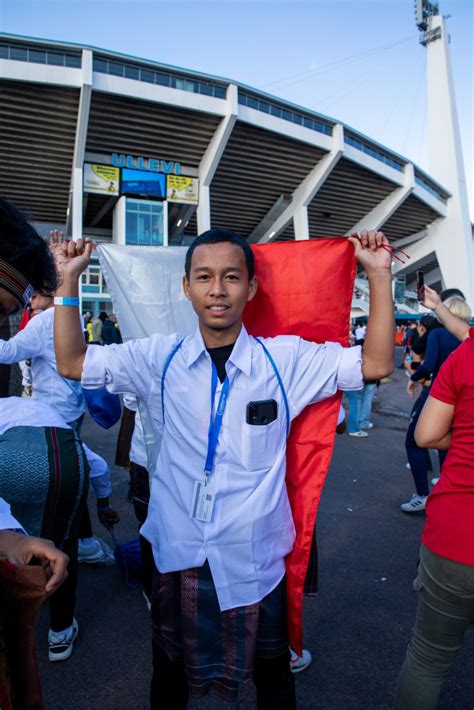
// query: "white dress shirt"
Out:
[7,521]
[36,342]
[26,411]
[252,528]
[138,451]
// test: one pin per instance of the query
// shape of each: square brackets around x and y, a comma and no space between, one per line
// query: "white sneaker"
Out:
[299,663]
[94,551]
[435,480]
[369,425]
[415,504]
[61,643]
[358,434]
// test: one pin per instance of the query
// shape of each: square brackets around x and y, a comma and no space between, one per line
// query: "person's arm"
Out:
[72,258]
[378,350]
[21,549]
[433,430]
[27,343]
[100,482]
[455,325]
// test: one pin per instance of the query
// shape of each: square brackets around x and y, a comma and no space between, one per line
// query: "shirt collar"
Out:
[241,355]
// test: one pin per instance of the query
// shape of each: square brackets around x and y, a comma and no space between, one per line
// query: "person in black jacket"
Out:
[434,346]
[110,331]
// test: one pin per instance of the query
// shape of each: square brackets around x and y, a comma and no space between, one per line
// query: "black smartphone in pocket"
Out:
[261,413]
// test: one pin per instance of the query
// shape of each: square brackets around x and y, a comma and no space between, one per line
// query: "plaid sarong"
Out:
[218,648]
[44,475]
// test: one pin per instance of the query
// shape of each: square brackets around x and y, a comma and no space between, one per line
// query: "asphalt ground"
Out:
[357,627]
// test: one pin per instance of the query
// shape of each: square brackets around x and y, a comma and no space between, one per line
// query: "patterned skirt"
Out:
[218,648]
[44,476]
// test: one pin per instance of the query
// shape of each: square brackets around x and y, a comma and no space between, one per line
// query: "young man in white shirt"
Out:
[219,521]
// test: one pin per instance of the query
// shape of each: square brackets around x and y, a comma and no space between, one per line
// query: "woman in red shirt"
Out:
[445,578]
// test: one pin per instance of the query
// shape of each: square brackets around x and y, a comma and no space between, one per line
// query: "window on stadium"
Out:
[144,223]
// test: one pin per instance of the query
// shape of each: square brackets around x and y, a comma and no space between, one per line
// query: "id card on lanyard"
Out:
[202,505]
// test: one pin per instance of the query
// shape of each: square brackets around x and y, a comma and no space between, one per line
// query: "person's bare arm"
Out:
[379,350]
[456,326]
[72,258]
[433,430]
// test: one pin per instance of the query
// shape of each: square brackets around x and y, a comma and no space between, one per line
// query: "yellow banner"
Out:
[101,179]
[182,189]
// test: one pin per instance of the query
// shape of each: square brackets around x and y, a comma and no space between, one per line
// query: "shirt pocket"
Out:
[260,445]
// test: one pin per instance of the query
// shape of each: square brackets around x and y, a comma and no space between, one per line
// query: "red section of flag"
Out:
[305,289]
[26,317]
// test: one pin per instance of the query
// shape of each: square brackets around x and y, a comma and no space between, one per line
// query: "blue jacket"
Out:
[440,344]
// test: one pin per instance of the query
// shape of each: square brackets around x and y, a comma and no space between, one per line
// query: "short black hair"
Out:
[217,236]
[429,322]
[448,292]
[22,247]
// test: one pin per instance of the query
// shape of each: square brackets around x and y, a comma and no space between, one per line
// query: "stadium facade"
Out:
[130,151]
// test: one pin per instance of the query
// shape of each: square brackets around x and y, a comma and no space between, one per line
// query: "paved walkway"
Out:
[357,628]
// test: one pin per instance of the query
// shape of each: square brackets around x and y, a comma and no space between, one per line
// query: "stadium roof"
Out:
[261,157]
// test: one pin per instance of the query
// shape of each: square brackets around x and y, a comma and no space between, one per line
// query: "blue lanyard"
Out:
[216,423]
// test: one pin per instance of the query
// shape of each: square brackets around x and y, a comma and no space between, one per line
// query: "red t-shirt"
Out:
[449,528]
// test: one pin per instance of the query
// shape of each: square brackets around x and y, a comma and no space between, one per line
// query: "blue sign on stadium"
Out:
[120,160]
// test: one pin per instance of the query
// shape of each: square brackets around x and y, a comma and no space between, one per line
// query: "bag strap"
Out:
[280,382]
[165,370]
[270,359]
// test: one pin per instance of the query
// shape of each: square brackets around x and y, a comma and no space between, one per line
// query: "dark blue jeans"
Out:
[419,459]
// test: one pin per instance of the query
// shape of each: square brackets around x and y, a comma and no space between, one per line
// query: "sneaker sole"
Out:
[65,654]
[299,669]
[412,510]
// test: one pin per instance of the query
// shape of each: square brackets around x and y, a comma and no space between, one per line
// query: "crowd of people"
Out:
[216,524]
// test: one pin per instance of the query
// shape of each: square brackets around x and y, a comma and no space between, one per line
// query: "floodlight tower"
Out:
[452,235]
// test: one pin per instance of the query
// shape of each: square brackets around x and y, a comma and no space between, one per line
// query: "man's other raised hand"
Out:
[71,258]
[371,250]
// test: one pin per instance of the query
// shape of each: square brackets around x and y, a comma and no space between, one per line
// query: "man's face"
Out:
[218,285]
[9,305]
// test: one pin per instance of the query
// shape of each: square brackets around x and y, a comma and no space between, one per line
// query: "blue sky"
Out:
[359,62]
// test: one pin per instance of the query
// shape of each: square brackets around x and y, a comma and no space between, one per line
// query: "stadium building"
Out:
[129,151]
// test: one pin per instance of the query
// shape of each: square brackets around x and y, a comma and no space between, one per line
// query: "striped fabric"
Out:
[218,648]
[44,475]
[14,282]
[21,596]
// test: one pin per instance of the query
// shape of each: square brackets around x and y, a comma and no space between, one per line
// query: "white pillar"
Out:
[77,204]
[74,220]
[306,191]
[211,158]
[385,209]
[452,235]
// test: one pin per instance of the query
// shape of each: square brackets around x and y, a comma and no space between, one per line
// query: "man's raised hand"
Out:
[371,250]
[71,258]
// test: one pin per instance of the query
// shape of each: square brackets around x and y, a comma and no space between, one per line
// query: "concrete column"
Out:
[305,192]
[377,217]
[74,218]
[211,158]
[452,235]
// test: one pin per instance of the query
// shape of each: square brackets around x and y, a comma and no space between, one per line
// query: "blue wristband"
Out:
[66,301]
